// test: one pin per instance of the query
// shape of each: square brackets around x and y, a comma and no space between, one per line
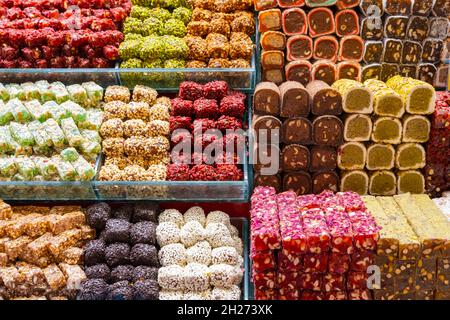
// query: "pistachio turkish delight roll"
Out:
[410,181]
[299,47]
[351,156]
[349,70]
[395,27]
[294,100]
[382,183]
[371,71]
[324,99]
[407,70]
[326,47]
[325,71]
[392,52]
[410,156]
[294,21]
[415,129]
[273,40]
[388,70]
[418,28]
[418,96]
[373,51]
[355,180]
[387,130]
[321,22]
[380,156]
[372,28]
[412,52]
[356,98]
[386,101]
[351,48]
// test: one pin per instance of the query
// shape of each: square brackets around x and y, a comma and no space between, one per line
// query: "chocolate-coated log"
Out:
[326,47]
[299,47]
[426,72]
[371,71]
[294,21]
[373,51]
[432,50]
[294,100]
[407,70]
[272,59]
[412,52]
[325,71]
[323,158]
[324,99]
[299,71]
[266,99]
[327,130]
[372,7]
[347,23]
[297,130]
[265,127]
[327,180]
[295,157]
[269,20]
[273,40]
[349,70]
[395,27]
[321,22]
[392,52]
[299,182]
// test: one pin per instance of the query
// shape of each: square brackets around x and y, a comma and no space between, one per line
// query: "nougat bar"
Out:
[273,75]
[273,181]
[5,211]
[426,72]
[355,180]
[407,70]
[299,70]
[324,99]
[15,248]
[392,52]
[54,277]
[325,180]
[323,158]
[387,102]
[351,48]
[297,130]
[272,59]
[380,156]
[349,70]
[372,28]
[321,22]
[269,20]
[373,51]
[398,7]
[417,28]
[326,47]
[432,50]
[295,157]
[294,100]
[68,221]
[294,21]
[327,130]
[411,181]
[422,7]
[382,183]
[388,70]
[266,128]
[351,156]
[371,71]
[395,27]
[267,99]
[299,47]
[63,241]
[412,52]
[387,130]
[347,23]
[299,182]
[356,98]
[439,28]
[273,40]
[325,71]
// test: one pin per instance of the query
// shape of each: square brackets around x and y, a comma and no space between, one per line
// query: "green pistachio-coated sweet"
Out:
[183,14]
[130,49]
[131,63]
[133,25]
[175,27]
[153,26]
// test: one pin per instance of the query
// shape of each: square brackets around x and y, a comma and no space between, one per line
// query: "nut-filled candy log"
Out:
[325,71]
[295,100]
[326,47]
[321,22]
[299,47]
[294,21]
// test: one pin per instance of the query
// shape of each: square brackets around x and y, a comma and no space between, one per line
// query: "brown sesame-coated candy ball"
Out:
[98,271]
[112,128]
[146,290]
[145,212]
[113,147]
[124,212]
[143,232]
[94,252]
[93,289]
[97,215]
[134,127]
[117,230]
[144,254]
[145,273]
[117,254]
[122,273]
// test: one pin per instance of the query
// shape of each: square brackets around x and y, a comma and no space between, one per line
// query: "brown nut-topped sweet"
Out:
[327,180]
[347,23]
[299,47]
[372,28]
[297,130]
[412,52]
[407,70]
[267,99]
[295,157]
[327,130]
[323,158]
[398,7]
[371,71]
[321,22]
[417,28]
[395,27]
[299,70]
[269,20]
[324,99]
[349,70]
[294,99]
[325,71]
[273,181]
[388,70]
[326,47]
[294,21]
[373,51]
[299,182]
[392,52]
[266,127]
[273,75]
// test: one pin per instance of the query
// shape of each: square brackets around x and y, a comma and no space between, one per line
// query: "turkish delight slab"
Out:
[351,48]
[340,229]
[441,76]
[392,52]
[356,98]
[294,99]
[294,21]
[398,7]
[272,59]
[351,156]
[441,8]
[288,260]
[311,281]
[324,99]
[422,7]
[334,282]
[354,180]
[361,260]
[287,280]
[439,28]
[338,263]
[426,72]
[357,280]
[371,71]
[315,263]
[327,130]
[326,47]
[273,40]
[299,70]
[372,7]
[388,70]
[266,294]
[295,157]
[263,261]
[264,280]
[269,20]
[321,22]
[407,70]
[325,71]
[299,47]
[387,102]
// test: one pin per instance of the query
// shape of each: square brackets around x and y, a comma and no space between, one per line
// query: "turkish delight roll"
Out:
[324,99]
[297,130]
[326,47]
[299,182]
[398,7]
[387,102]
[325,71]
[441,8]
[422,7]
[321,22]
[373,51]
[295,157]
[410,181]
[266,128]
[299,71]
[272,59]
[267,98]
[407,70]
[356,98]
[294,100]
[387,130]
[273,40]
[417,28]
[273,181]
[299,47]
[269,20]
[412,52]
[372,7]
[415,129]
[351,48]
[290,3]
[322,158]
[395,27]
[273,75]
[380,156]
[410,156]
[388,70]
[392,52]
[326,180]
[372,28]
[294,21]
[440,79]
[418,96]
[439,28]
[382,183]
[432,50]
[327,130]
[349,70]
[371,71]
[267,159]
[264,4]
[347,23]
[351,156]
[355,180]
[426,72]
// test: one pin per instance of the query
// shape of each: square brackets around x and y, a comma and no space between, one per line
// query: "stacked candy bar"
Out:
[437,176]
[200,256]
[206,125]
[406,38]
[413,249]
[309,132]
[41,251]
[49,131]
[265,242]
[390,118]
[52,34]
[309,40]
[135,132]
[122,263]
[218,34]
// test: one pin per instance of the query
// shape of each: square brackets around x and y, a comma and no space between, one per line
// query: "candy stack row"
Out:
[378,117]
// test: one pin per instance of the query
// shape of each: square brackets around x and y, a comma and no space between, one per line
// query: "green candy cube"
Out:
[21,134]
[78,94]
[55,133]
[41,137]
[15,91]
[65,169]
[77,112]
[4,95]
[26,167]
[84,169]
[94,92]
[46,167]
[91,135]
[93,120]
[6,115]
[38,111]
[18,110]
[56,111]
[60,92]
[30,91]
[7,167]
[70,154]
[71,132]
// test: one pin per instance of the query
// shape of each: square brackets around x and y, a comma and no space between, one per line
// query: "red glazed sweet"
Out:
[177,172]
[206,108]
[228,172]
[190,90]
[179,123]
[215,90]
[315,263]
[233,106]
[182,107]
[202,172]
[228,123]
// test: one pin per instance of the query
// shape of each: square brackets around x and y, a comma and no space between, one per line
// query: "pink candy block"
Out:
[340,229]
[315,263]
[294,21]
[308,201]
[338,263]
[316,230]
[351,201]
[365,230]
[441,115]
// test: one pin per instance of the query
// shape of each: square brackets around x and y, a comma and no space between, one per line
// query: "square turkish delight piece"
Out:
[359,295]
[351,48]
[326,47]
[299,47]
[294,21]
[289,261]
[356,280]
[361,260]
[372,28]
[311,295]
[321,22]
[349,70]
[266,294]
[311,281]
[365,230]
[392,52]
[340,229]
[371,71]
[395,27]
[325,71]
[316,230]
[338,263]
[299,70]
[264,280]
[334,282]
[432,50]
[288,294]
[269,20]
[315,263]
[288,280]
[263,261]
[335,295]
[347,23]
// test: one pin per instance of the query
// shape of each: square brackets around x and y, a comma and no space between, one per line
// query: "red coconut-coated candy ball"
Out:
[179,122]
[203,124]
[228,172]
[232,106]
[177,157]
[215,90]
[181,136]
[237,94]
[206,139]
[202,172]
[178,172]
[182,107]
[201,158]
[190,90]
[228,123]
[228,158]
[206,108]
[233,138]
